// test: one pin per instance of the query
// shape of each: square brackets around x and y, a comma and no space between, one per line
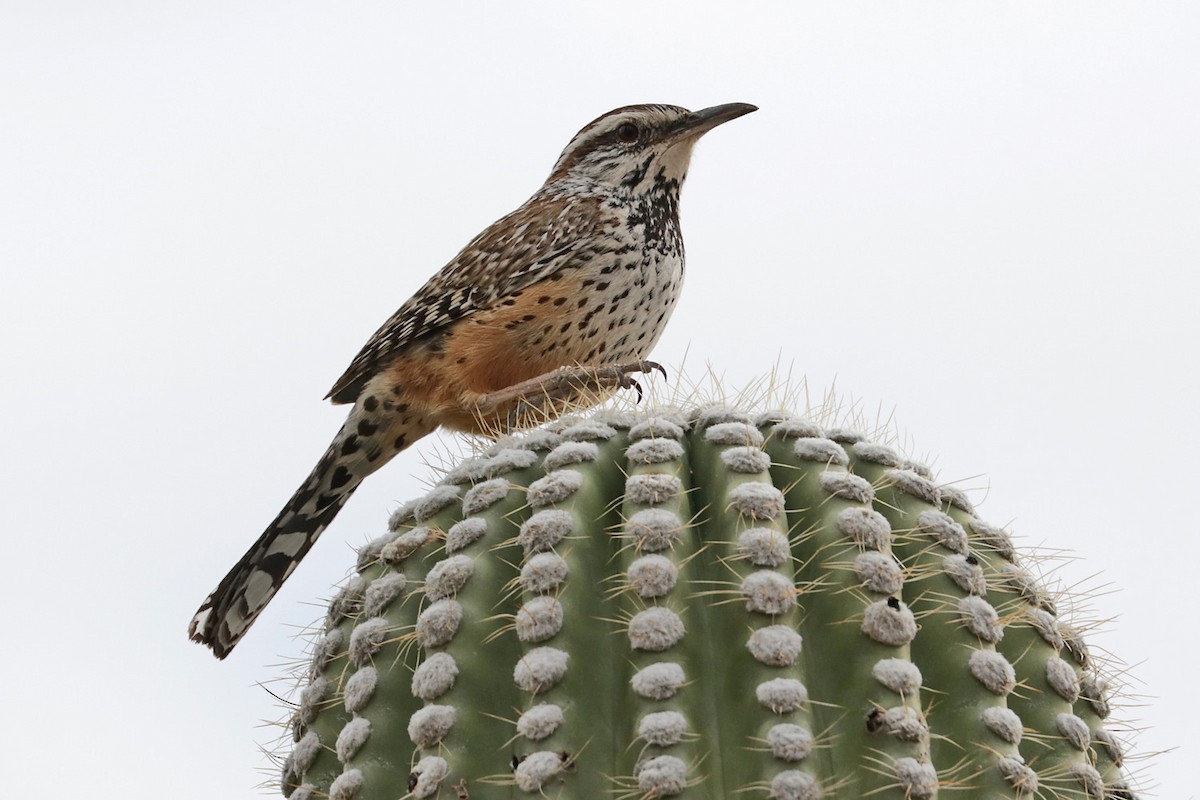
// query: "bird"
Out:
[555,303]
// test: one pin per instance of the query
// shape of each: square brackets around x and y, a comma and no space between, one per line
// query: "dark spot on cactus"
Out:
[568,760]
[460,790]
[875,720]
[893,604]
[972,560]
[516,761]
[412,780]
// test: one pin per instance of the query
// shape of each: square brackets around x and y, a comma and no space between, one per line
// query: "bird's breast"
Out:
[611,310]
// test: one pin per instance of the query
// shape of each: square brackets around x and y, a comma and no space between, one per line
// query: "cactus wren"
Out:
[558,301]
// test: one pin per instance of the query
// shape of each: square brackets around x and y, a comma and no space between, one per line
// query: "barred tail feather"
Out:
[360,448]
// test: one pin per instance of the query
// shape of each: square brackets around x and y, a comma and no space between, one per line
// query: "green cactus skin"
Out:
[702,605]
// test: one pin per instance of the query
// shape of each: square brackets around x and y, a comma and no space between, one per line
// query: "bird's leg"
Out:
[562,384]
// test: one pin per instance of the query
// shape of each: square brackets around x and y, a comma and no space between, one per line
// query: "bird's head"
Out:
[636,147]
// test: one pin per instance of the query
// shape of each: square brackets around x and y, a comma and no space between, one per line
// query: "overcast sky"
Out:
[979,217]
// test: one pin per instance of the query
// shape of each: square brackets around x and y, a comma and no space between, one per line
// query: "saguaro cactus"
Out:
[701,604]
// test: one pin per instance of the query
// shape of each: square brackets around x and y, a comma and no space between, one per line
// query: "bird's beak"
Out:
[696,124]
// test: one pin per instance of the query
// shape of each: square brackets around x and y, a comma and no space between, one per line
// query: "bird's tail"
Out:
[365,443]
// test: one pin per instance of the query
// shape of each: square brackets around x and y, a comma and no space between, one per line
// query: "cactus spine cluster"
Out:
[702,605]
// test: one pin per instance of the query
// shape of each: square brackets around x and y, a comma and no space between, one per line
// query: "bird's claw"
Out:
[651,365]
[631,383]
[625,381]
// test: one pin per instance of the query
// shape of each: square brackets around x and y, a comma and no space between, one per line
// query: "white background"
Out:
[980,216]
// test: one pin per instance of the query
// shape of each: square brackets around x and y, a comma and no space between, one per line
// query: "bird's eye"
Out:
[627,132]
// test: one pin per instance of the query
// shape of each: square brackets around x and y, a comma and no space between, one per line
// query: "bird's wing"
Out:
[545,237]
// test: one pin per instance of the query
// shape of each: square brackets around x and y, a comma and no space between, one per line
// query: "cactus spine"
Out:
[701,605]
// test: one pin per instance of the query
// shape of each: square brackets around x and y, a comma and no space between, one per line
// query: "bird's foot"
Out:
[537,399]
